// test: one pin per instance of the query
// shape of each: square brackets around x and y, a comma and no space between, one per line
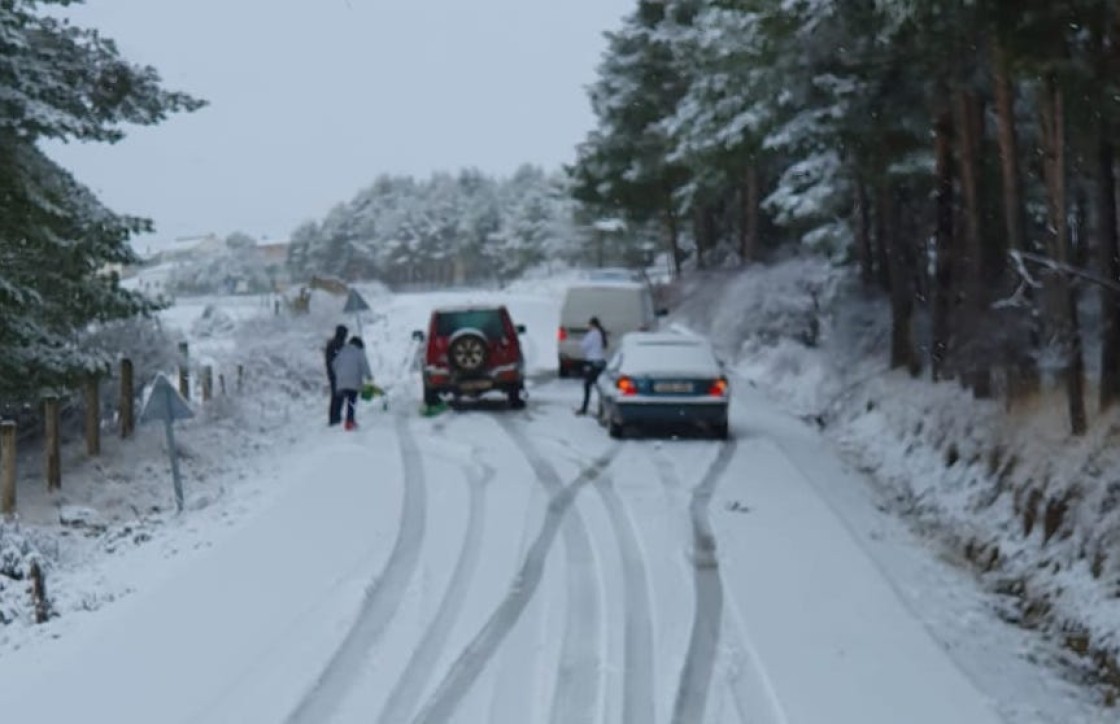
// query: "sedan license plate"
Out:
[476,385]
[677,388]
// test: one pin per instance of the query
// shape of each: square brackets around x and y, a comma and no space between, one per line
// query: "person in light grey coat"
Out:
[351,369]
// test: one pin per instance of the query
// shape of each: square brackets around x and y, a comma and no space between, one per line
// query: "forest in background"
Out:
[960,154]
[464,228]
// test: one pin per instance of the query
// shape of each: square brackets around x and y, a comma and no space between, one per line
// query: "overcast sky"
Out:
[311,99]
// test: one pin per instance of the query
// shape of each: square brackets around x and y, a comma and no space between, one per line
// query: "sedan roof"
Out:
[644,338]
[654,353]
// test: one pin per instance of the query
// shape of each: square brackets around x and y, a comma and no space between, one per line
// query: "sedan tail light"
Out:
[719,387]
[626,386]
[562,334]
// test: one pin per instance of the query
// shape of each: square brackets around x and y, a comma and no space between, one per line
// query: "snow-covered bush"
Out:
[212,322]
[18,551]
[142,340]
[763,305]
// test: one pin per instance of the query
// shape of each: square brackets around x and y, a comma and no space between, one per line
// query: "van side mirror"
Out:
[417,335]
[520,329]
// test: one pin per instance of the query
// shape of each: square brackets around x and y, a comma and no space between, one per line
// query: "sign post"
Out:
[166,404]
[355,305]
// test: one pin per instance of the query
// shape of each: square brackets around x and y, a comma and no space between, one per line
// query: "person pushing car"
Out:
[594,348]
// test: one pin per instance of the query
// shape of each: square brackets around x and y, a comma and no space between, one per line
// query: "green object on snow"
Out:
[370,391]
[433,410]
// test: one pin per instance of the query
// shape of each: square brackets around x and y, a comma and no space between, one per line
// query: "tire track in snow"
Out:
[752,692]
[638,687]
[515,687]
[577,695]
[470,663]
[703,645]
[403,699]
[382,598]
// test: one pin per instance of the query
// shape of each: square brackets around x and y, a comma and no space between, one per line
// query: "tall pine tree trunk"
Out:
[1014,213]
[969,121]
[748,228]
[698,236]
[945,253]
[1060,301]
[882,250]
[901,294]
[1023,374]
[864,251]
[1109,260]
[672,238]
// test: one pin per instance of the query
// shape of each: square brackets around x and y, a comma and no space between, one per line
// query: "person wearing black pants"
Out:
[593,345]
[333,346]
[351,368]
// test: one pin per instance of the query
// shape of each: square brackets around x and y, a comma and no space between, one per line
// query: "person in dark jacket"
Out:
[351,369]
[333,347]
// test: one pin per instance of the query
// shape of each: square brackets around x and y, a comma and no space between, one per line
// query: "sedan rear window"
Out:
[674,357]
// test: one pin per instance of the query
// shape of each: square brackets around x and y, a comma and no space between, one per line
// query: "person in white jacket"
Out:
[351,369]
[594,348]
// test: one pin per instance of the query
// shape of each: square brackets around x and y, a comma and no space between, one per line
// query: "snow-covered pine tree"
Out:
[64,83]
[624,167]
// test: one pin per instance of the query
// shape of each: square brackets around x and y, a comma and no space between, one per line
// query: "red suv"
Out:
[470,351]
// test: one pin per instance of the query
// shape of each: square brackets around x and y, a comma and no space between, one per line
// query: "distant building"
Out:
[273,252]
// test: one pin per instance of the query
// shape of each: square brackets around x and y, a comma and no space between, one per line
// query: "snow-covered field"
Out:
[491,565]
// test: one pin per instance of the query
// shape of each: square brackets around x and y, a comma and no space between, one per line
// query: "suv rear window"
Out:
[489,321]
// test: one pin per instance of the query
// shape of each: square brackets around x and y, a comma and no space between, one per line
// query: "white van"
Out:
[620,306]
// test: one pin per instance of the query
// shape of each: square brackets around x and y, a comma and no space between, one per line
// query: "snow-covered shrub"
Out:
[142,340]
[213,322]
[18,551]
[284,354]
[763,305]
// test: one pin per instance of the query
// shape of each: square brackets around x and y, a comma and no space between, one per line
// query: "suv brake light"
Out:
[719,387]
[626,386]
[562,334]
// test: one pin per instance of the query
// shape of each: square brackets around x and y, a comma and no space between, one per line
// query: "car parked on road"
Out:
[621,306]
[664,380]
[471,351]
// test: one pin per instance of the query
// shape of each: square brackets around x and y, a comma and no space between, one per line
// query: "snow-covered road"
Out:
[519,566]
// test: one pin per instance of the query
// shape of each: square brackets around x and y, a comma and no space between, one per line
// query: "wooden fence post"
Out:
[184,371]
[93,415]
[54,452]
[222,384]
[8,461]
[39,593]
[207,383]
[128,399]
[240,377]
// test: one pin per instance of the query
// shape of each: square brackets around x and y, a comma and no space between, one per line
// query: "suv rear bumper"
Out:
[507,378]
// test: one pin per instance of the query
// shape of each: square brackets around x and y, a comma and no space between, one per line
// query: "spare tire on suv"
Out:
[470,351]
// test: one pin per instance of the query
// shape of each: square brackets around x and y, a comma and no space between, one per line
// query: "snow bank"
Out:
[123,498]
[1009,494]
